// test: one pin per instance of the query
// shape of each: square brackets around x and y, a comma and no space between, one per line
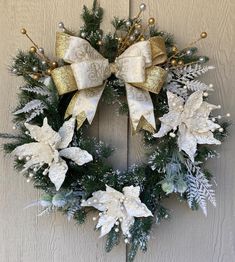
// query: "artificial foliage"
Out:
[168,170]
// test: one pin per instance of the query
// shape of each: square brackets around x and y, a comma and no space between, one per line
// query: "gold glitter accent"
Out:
[69,111]
[143,124]
[81,118]
[158,49]
[155,75]
[64,79]
[155,78]
[62,44]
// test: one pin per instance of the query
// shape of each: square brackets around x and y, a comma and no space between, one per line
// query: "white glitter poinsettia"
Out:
[118,207]
[192,119]
[49,149]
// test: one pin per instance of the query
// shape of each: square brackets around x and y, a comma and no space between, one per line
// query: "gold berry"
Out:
[180,62]
[54,64]
[138,26]
[151,21]
[36,77]
[33,49]
[99,42]
[142,38]
[119,39]
[173,62]
[174,49]
[203,34]
[23,31]
[48,71]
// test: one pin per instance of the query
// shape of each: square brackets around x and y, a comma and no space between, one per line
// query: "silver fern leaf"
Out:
[35,104]
[196,85]
[39,90]
[47,211]
[72,210]
[190,72]
[35,113]
[177,89]
[199,189]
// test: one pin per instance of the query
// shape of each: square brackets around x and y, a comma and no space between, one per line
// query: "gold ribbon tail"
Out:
[140,108]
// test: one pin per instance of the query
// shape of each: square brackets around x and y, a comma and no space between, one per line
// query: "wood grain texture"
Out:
[189,236]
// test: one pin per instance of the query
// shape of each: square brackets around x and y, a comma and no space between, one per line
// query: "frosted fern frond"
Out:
[39,90]
[196,85]
[35,113]
[30,106]
[72,210]
[199,189]
[177,89]
[190,72]
[47,211]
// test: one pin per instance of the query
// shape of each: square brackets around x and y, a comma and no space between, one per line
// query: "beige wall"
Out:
[189,236]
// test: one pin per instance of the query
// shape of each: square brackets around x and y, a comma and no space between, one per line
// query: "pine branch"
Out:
[113,239]
[139,236]
[119,24]
[92,20]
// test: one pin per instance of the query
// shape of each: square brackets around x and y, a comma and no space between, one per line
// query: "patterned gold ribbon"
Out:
[88,71]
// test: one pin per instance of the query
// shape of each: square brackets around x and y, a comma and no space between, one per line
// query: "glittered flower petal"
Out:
[131,191]
[40,152]
[175,102]
[79,156]
[187,142]
[126,224]
[206,138]
[193,103]
[66,133]
[164,129]
[135,208]
[57,173]
[44,134]
[95,201]
[106,223]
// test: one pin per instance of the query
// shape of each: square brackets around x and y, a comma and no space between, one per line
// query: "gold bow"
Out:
[88,71]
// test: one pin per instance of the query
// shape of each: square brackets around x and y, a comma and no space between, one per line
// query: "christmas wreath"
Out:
[139,68]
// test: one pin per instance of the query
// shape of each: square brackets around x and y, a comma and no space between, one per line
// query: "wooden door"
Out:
[188,236]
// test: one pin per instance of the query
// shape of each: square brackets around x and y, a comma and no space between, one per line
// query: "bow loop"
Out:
[131,69]
[140,49]
[91,73]
[74,49]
